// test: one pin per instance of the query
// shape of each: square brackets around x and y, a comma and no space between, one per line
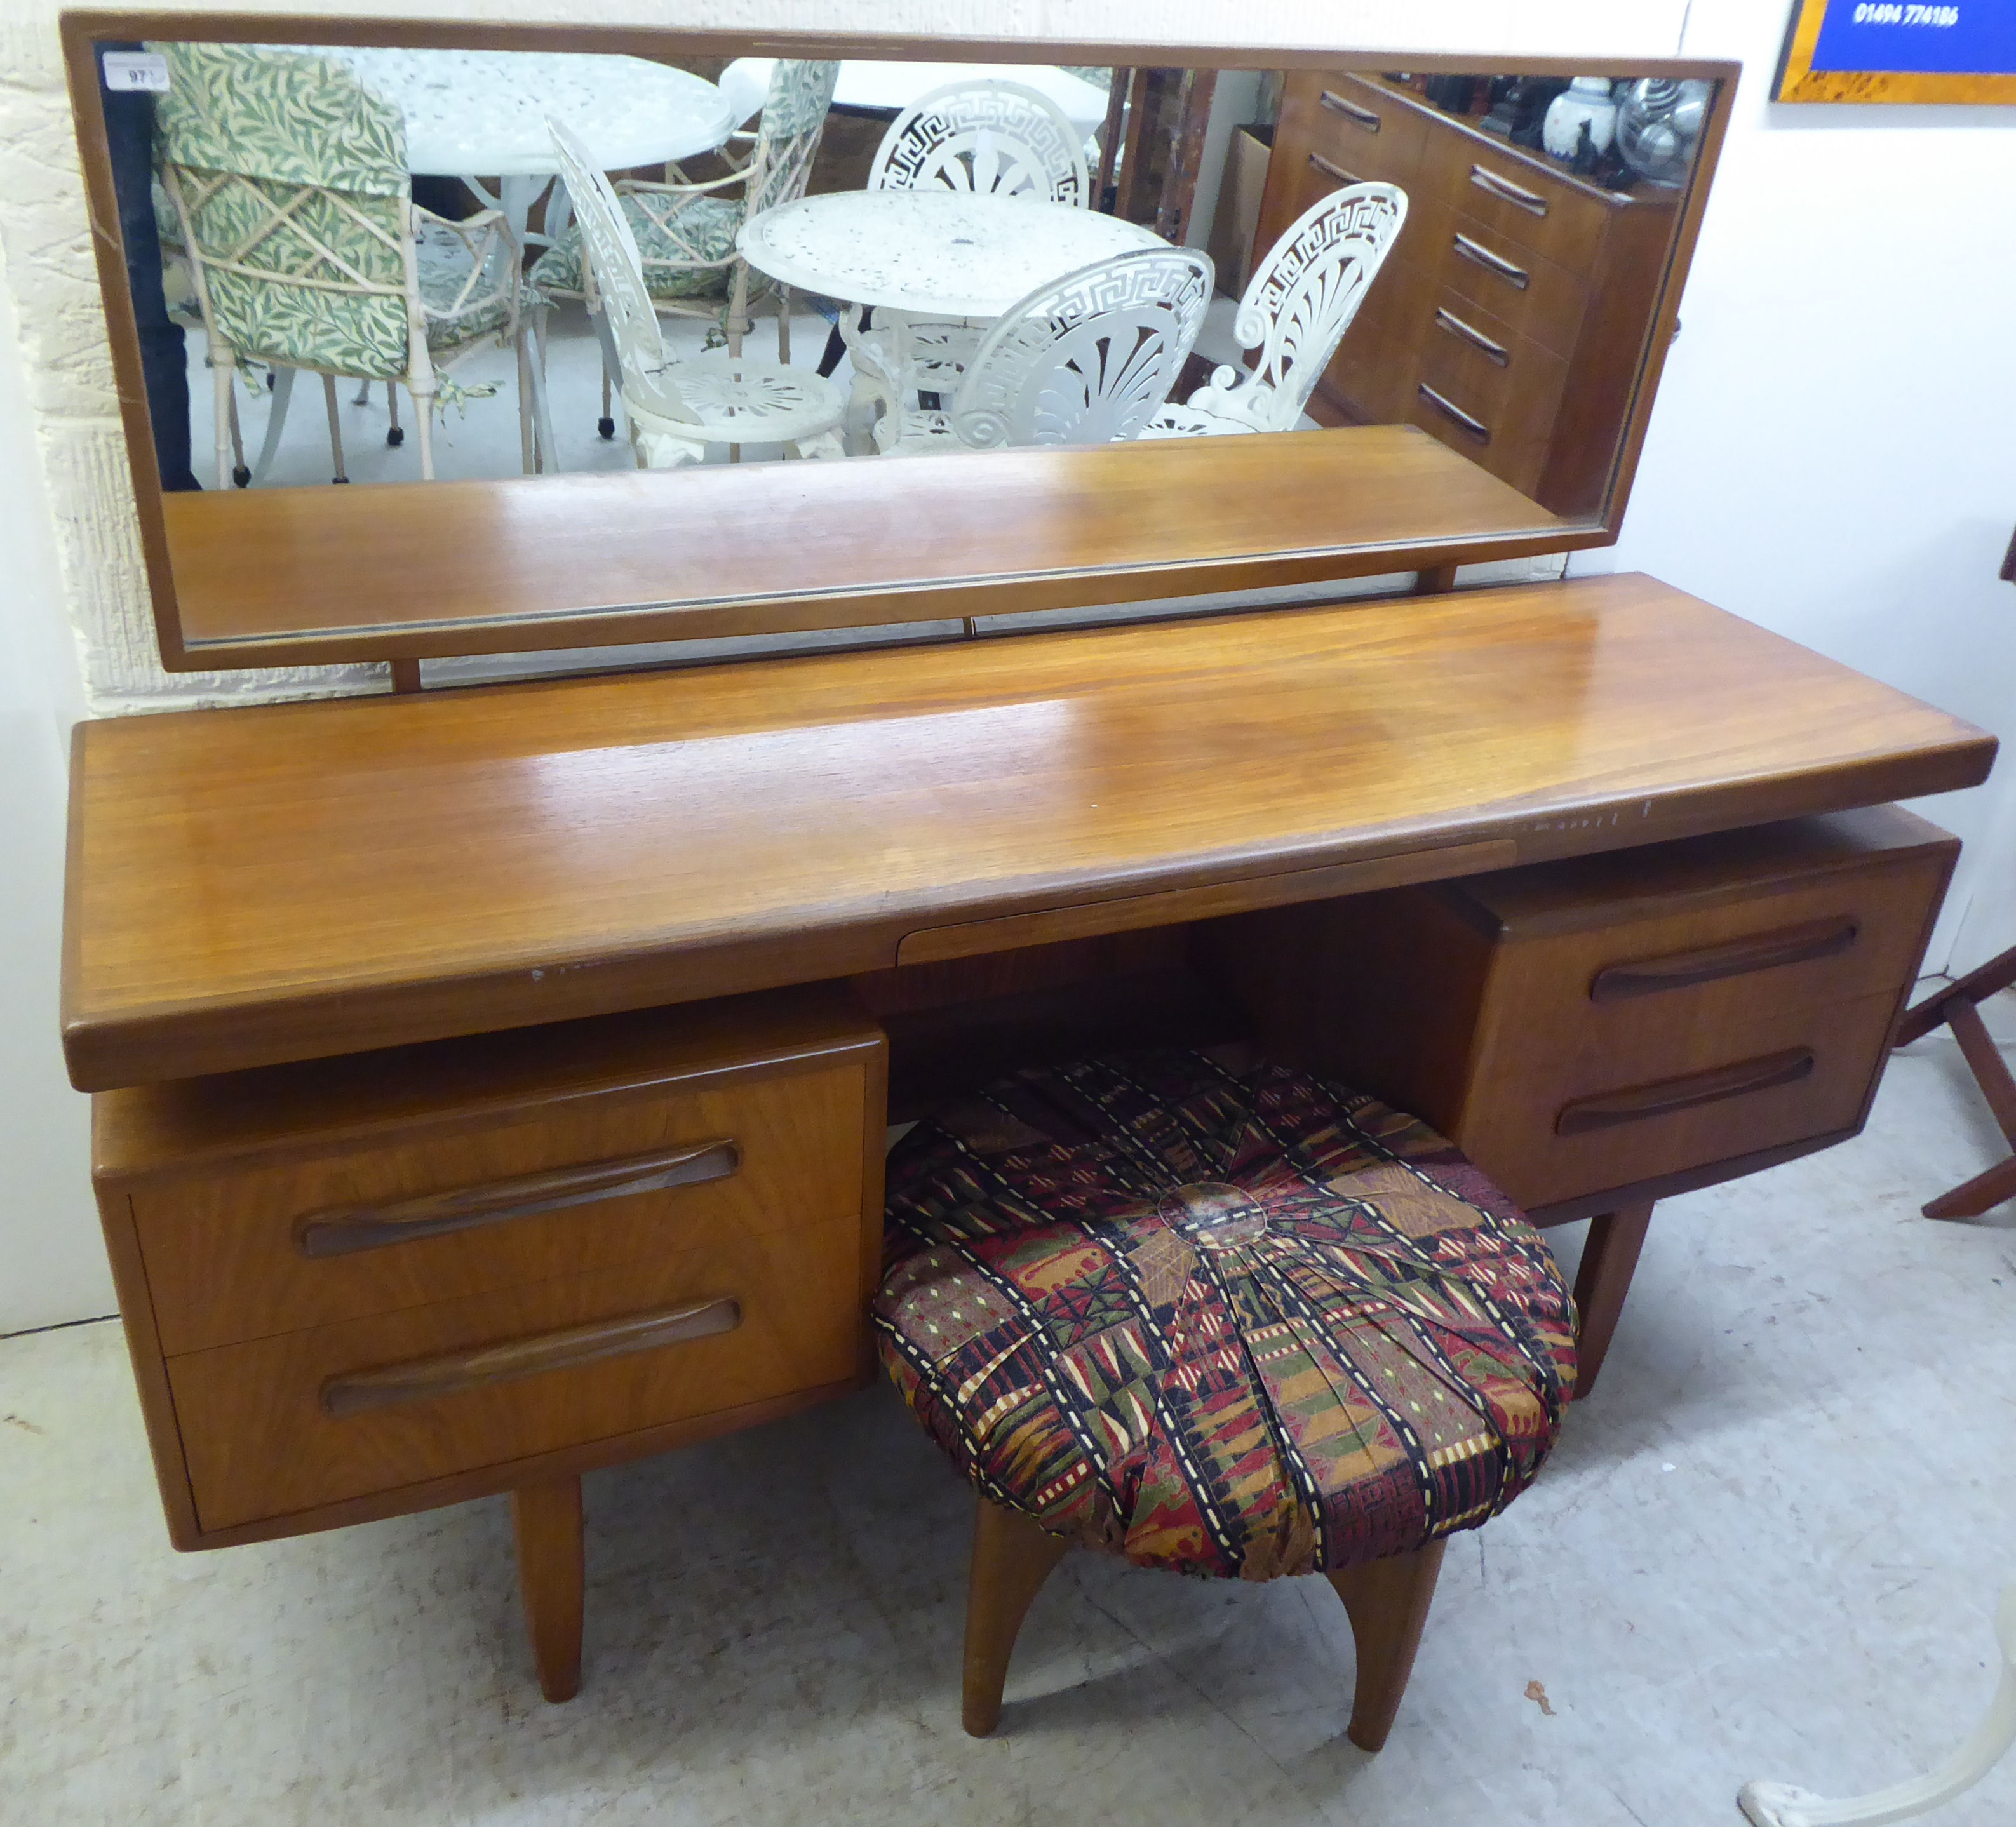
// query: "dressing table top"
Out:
[252,886]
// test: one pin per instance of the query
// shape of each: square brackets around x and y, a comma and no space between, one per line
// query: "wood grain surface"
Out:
[255,886]
[223,1247]
[459,567]
[1476,1004]
[261,1444]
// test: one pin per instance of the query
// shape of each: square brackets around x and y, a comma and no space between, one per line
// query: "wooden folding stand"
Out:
[1958,1007]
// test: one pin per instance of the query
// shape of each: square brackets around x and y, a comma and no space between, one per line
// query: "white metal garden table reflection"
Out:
[928,254]
[872,86]
[473,114]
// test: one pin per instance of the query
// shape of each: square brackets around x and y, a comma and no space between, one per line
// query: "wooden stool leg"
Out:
[1012,1558]
[1973,1197]
[546,1520]
[1387,1601]
[1609,1258]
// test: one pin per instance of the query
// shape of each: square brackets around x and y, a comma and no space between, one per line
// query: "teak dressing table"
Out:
[492,1084]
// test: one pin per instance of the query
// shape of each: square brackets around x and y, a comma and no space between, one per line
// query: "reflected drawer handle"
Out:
[1736,957]
[1446,320]
[455,1373]
[1358,117]
[1479,255]
[1476,427]
[1336,171]
[346,1229]
[1506,191]
[1671,1094]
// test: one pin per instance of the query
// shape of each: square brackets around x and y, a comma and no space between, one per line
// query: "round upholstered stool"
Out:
[1216,1315]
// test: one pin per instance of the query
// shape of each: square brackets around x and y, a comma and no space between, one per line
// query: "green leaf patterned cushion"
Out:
[440,284]
[706,228]
[288,166]
[293,118]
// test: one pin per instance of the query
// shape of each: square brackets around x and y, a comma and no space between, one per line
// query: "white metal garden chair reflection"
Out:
[675,410]
[685,231]
[990,138]
[1299,304]
[1086,359]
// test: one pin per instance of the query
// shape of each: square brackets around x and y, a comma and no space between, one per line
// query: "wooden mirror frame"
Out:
[698,554]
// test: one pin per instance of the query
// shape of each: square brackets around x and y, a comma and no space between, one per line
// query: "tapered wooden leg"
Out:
[1609,1257]
[1012,1558]
[1387,1601]
[1971,1198]
[546,1520]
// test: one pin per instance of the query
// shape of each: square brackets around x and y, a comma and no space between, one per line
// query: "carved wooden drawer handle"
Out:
[1477,254]
[455,1373]
[1336,171]
[1358,117]
[345,1230]
[1645,1102]
[1506,191]
[1476,427]
[1735,957]
[1446,320]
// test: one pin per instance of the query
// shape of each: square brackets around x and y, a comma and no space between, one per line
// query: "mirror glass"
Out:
[368,266]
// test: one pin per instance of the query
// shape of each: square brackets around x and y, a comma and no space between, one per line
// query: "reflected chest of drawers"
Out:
[1509,320]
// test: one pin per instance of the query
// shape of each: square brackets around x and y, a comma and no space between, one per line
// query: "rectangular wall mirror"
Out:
[440,339]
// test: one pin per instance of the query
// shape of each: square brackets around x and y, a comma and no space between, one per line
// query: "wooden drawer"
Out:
[279,1425]
[1357,124]
[1677,980]
[1660,988]
[1500,412]
[1376,366]
[1319,147]
[1536,298]
[430,1216]
[1538,210]
[1554,1131]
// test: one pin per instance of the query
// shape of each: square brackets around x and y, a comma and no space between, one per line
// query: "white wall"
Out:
[51,1267]
[1826,457]
[1833,451]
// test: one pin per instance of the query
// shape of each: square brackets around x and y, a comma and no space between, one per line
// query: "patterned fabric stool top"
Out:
[1217,1315]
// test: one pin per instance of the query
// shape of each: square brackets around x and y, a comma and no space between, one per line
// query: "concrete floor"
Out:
[1770,1545]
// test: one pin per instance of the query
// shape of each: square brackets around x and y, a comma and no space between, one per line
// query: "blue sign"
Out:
[1961,38]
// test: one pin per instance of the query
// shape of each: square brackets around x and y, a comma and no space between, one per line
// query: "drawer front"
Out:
[438,1214]
[1371,375]
[1376,366]
[1538,300]
[1319,148]
[1534,208]
[1657,993]
[279,1425]
[1357,124]
[1488,393]
[1552,1133]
